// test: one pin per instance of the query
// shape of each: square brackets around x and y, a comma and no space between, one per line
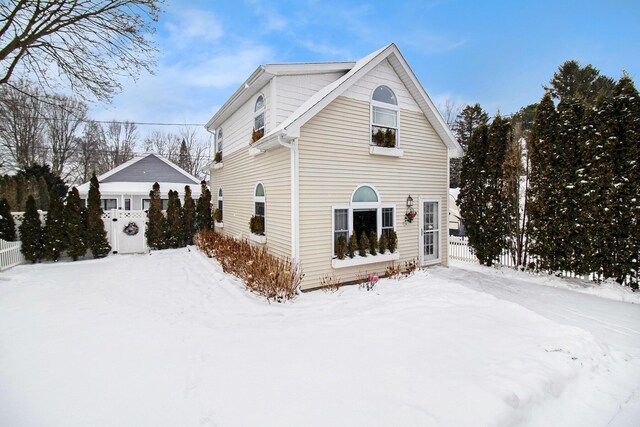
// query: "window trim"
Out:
[263,200]
[103,205]
[373,103]
[219,139]
[221,204]
[257,113]
[354,206]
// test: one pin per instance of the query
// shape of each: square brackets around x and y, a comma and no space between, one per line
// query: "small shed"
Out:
[127,186]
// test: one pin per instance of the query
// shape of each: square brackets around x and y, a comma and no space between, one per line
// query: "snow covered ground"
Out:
[167,339]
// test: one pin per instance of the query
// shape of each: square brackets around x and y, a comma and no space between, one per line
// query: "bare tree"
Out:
[450,111]
[64,121]
[22,124]
[89,153]
[120,143]
[188,148]
[90,44]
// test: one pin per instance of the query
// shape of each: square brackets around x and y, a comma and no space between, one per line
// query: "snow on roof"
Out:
[139,188]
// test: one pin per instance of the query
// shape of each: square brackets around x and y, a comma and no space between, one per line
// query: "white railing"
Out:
[10,254]
[459,249]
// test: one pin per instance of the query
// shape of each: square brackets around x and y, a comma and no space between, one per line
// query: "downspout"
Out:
[295,188]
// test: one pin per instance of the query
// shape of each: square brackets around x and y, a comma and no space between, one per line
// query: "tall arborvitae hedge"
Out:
[54,233]
[175,229]
[7,225]
[96,233]
[31,234]
[75,230]
[203,209]
[584,204]
[543,205]
[472,197]
[156,225]
[189,216]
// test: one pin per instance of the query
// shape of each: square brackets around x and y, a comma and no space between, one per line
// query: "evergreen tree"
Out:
[184,159]
[54,235]
[393,241]
[43,194]
[31,232]
[382,244]
[373,243]
[352,247]
[572,81]
[74,226]
[543,205]
[157,225]
[467,121]
[472,199]
[203,214]
[189,216]
[175,229]
[7,225]
[96,233]
[363,244]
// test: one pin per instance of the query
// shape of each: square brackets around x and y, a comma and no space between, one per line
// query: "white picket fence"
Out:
[459,249]
[10,254]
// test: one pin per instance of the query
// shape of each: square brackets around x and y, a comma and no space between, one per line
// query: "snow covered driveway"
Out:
[169,340]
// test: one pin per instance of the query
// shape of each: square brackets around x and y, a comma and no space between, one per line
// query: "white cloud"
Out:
[271,19]
[193,24]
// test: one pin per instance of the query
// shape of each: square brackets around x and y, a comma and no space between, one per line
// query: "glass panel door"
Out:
[430,231]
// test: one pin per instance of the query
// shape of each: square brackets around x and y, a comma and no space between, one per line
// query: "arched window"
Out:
[219,142]
[259,209]
[365,214]
[258,118]
[385,115]
[220,203]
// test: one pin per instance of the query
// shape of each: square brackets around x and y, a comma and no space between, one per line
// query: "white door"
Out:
[429,231]
[128,232]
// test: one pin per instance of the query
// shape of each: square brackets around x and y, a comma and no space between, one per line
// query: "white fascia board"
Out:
[302,68]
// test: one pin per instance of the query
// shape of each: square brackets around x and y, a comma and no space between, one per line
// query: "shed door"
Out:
[128,232]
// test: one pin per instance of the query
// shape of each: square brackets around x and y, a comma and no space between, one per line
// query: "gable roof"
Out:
[291,126]
[146,168]
[262,75]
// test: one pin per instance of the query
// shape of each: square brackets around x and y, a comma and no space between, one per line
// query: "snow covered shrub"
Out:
[256,225]
[363,244]
[274,278]
[393,241]
[353,245]
[217,215]
[341,247]
[382,244]
[373,243]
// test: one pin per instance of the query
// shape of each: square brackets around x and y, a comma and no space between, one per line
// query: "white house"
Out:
[317,151]
[127,186]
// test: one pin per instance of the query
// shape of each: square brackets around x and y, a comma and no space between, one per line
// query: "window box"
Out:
[218,224]
[258,238]
[218,165]
[385,151]
[358,260]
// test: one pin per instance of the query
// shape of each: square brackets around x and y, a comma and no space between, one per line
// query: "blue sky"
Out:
[497,53]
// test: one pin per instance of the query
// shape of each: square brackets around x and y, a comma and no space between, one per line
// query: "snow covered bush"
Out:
[274,278]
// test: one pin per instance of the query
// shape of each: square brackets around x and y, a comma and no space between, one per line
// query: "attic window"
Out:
[258,119]
[219,142]
[384,118]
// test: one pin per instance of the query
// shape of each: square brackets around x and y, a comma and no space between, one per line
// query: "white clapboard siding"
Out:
[10,254]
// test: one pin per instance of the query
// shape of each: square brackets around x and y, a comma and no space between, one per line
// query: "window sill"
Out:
[358,260]
[218,165]
[385,151]
[218,224]
[258,239]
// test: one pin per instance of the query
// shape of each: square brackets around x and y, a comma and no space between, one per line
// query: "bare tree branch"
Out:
[90,44]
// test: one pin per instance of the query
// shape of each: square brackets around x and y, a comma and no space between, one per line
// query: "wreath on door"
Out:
[131,229]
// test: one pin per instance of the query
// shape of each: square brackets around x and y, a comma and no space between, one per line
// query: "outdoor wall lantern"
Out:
[409,201]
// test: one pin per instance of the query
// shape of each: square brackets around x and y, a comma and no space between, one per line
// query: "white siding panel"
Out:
[293,91]
[334,159]
[238,127]
[238,178]
[382,74]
